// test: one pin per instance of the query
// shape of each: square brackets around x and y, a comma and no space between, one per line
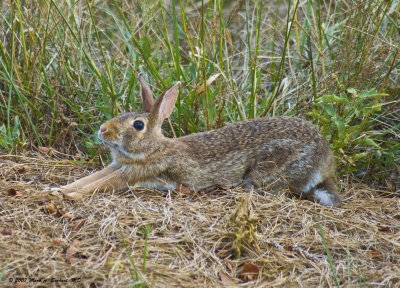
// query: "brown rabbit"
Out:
[279,150]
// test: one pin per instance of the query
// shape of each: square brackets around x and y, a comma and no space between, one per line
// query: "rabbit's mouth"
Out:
[109,144]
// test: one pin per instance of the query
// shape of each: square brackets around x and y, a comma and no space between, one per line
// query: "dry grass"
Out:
[193,237]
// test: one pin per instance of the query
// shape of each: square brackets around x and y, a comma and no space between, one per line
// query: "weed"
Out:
[11,139]
[348,121]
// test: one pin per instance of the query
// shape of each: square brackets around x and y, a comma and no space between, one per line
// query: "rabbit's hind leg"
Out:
[326,193]
[264,176]
[316,187]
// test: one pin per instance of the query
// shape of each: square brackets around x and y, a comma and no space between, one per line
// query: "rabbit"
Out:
[287,151]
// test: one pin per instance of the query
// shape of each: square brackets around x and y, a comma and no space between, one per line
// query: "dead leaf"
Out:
[248,272]
[200,88]
[44,149]
[226,279]
[78,226]
[373,253]
[72,250]
[11,192]
[14,193]
[347,158]
[59,241]
[223,253]
[176,229]
[289,248]
[5,231]
[52,209]
[384,228]
[66,214]
[23,169]
[183,189]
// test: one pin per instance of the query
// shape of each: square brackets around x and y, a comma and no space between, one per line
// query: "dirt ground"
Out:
[223,238]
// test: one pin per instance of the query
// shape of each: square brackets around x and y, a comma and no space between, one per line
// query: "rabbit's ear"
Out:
[147,94]
[165,103]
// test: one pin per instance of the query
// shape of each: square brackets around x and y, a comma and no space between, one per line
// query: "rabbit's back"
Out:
[279,150]
[279,139]
[250,136]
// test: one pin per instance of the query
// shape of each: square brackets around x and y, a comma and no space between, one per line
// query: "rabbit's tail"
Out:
[325,193]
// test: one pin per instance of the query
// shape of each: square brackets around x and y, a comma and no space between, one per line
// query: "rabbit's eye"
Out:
[138,125]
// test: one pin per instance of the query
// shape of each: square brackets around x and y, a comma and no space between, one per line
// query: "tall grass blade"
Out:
[87,56]
[133,270]
[204,64]
[146,238]
[328,253]
[277,84]
[110,83]
[147,60]
[177,63]
[254,65]
[3,271]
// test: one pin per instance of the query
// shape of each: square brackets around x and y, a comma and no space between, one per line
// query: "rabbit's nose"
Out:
[103,129]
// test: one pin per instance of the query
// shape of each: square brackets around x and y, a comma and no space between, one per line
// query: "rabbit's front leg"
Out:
[88,179]
[110,181]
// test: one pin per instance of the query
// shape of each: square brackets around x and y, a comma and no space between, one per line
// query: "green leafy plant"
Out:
[11,138]
[347,120]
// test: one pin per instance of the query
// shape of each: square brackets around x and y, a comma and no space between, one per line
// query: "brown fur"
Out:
[285,151]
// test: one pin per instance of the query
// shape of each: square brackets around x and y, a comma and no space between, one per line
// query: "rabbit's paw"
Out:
[54,189]
[68,193]
[72,195]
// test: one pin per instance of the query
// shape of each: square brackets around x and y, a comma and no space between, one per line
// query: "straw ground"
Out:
[194,238]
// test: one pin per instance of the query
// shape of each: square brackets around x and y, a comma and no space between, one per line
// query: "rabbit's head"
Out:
[130,135]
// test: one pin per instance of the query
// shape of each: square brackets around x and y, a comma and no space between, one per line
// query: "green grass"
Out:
[137,278]
[328,254]
[65,67]
[3,271]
